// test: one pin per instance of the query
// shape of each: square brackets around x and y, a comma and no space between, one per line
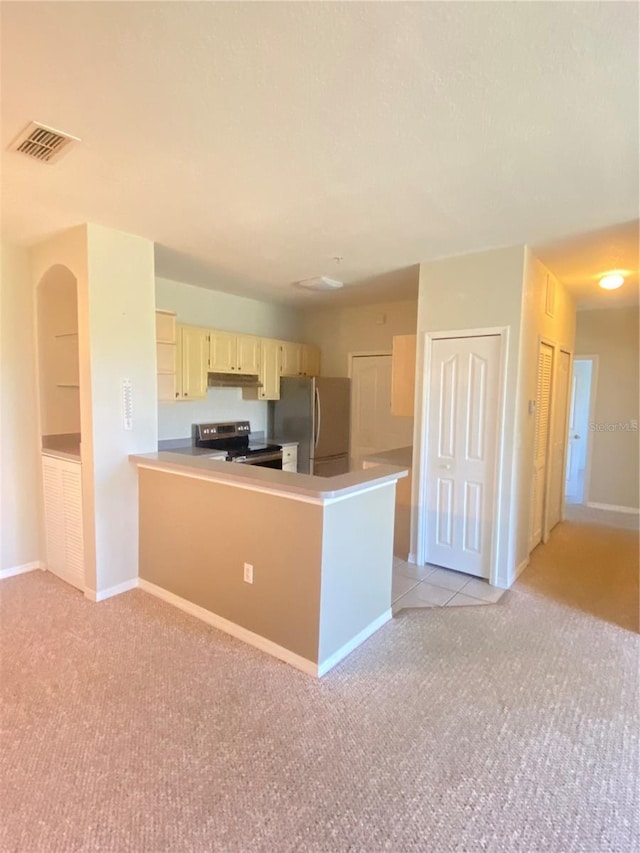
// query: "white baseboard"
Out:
[356,641]
[629,510]
[237,631]
[20,570]
[412,558]
[103,594]
[520,569]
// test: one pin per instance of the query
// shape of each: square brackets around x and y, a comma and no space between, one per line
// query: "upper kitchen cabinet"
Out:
[229,353]
[194,351]
[248,354]
[166,354]
[299,359]
[222,352]
[403,375]
[310,360]
[268,374]
[290,359]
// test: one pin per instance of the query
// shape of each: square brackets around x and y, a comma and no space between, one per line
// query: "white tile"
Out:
[400,585]
[448,579]
[435,595]
[409,570]
[481,589]
[410,599]
[462,600]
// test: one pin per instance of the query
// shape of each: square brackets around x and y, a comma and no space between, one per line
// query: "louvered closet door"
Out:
[541,441]
[464,427]
[62,485]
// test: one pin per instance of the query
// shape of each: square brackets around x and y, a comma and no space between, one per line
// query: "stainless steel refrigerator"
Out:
[315,413]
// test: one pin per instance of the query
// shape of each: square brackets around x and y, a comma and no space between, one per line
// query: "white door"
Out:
[464,425]
[578,429]
[558,440]
[541,442]
[373,427]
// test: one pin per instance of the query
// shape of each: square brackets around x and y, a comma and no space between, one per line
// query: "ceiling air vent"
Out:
[43,143]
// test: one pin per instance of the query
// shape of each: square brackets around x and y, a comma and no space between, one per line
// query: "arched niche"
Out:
[58,361]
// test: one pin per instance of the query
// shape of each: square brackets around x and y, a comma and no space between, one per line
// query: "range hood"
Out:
[233,380]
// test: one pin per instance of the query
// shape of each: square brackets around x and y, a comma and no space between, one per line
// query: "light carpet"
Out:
[130,726]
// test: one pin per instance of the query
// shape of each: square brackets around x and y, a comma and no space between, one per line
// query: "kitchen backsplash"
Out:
[221,404]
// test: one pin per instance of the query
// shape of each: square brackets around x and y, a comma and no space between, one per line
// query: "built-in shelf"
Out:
[67,335]
[67,385]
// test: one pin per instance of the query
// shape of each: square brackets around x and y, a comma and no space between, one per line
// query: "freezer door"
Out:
[331,417]
[293,417]
[330,467]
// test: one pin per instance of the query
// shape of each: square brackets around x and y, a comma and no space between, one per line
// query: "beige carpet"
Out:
[129,726]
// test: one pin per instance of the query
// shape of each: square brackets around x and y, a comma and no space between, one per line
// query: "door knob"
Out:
[576,436]
[446,466]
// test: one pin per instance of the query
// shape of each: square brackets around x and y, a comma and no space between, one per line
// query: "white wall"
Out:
[19,436]
[216,310]
[116,340]
[557,328]
[122,335]
[356,328]
[612,335]
[480,290]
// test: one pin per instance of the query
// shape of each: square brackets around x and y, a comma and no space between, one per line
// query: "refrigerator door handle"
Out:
[316,437]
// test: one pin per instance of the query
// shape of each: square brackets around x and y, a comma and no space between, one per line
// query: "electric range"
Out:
[233,439]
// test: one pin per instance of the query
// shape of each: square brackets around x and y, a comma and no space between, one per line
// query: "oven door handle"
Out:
[256,460]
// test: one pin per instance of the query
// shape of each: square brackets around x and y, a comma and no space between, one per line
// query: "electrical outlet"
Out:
[248,573]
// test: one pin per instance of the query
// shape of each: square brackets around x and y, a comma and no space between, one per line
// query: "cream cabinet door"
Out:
[222,352]
[62,484]
[269,370]
[247,354]
[291,359]
[403,375]
[310,360]
[195,361]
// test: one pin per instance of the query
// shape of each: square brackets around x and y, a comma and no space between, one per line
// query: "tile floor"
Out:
[430,586]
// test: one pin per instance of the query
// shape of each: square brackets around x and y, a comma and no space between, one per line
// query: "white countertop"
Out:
[402,456]
[270,479]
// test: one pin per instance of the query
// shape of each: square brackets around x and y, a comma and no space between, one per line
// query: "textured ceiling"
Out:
[253,142]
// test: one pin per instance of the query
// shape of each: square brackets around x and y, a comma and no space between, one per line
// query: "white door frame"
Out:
[595,364]
[420,463]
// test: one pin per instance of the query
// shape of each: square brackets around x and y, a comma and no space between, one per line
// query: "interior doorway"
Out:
[373,427]
[578,445]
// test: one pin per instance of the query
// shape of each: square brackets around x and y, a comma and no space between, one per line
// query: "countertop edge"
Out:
[282,483]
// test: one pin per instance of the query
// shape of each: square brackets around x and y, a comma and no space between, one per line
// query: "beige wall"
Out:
[195,539]
[213,309]
[482,290]
[612,335]
[558,327]
[356,328]
[19,438]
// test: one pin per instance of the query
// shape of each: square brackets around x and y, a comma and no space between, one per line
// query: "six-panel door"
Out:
[463,433]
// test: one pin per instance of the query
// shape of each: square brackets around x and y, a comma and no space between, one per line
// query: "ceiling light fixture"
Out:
[611,282]
[320,283]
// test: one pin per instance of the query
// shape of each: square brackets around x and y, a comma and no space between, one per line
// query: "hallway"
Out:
[589,567]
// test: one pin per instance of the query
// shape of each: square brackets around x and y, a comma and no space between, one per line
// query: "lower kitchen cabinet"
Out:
[62,488]
[290,457]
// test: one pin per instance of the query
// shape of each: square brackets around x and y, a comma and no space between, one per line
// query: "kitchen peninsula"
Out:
[297,565]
